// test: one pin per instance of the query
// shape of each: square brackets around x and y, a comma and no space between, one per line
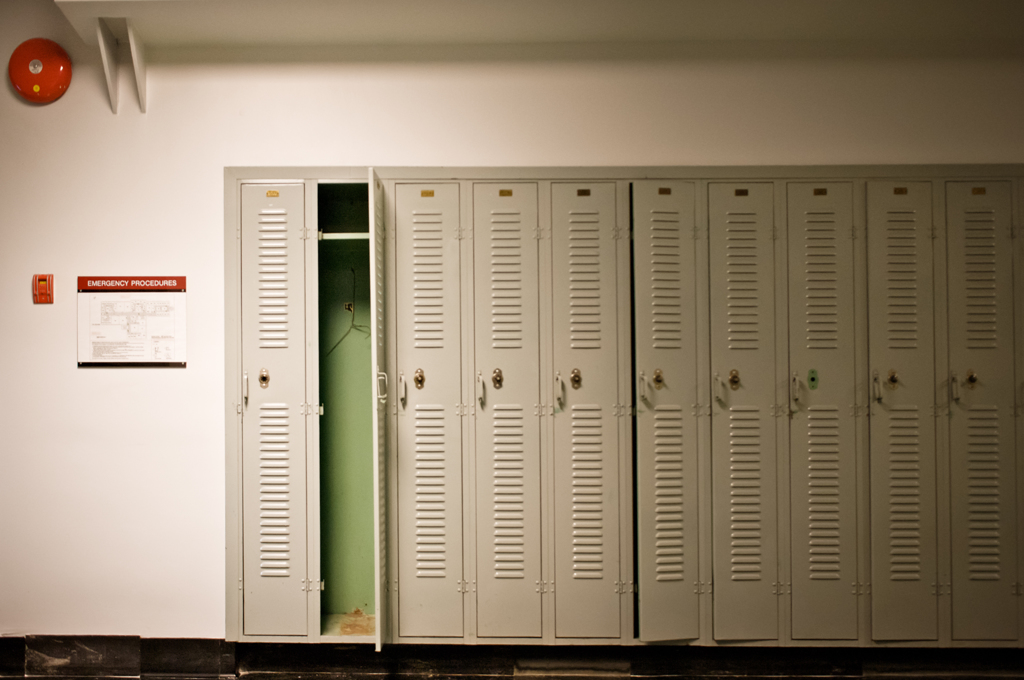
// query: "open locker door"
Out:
[380,378]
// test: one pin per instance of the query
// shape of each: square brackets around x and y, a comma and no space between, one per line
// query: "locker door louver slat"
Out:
[509,493]
[273,279]
[431,499]
[585,279]
[745,493]
[506,279]
[905,509]
[588,511]
[669,516]
[275,491]
[901,260]
[742,280]
[428,279]
[824,549]
[666,279]
[984,525]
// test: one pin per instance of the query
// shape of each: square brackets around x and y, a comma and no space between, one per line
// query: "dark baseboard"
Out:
[91,657]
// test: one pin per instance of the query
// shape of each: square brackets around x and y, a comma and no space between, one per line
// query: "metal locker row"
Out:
[506,573]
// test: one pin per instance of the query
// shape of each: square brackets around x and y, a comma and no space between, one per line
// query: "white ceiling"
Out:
[908,27]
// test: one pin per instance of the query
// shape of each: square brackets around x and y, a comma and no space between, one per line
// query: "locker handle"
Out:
[641,387]
[403,389]
[720,387]
[245,388]
[954,388]
[382,393]
[559,390]
[876,388]
[481,389]
[794,388]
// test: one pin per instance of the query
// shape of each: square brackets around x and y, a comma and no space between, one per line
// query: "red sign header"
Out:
[110,284]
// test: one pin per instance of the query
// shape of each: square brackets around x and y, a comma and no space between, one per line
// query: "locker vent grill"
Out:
[428,278]
[273,278]
[506,280]
[587,492]
[901,258]
[509,492]
[821,280]
[823,492]
[666,280]
[584,279]
[431,504]
[904,494]
[983,521]
[745,492]
[743,286]
[980,266]
[668,493]
[275,491]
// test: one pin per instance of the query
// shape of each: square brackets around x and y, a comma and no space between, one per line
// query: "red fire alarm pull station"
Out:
[42,289]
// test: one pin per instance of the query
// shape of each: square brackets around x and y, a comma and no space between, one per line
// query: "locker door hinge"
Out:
[321,409]
[779,410]
[623,587]
[775,233]
[621,410]
[319,235]
[859,410]
[940,411]
[700,410]
[463,586]
[542,587]
[395,586]
[616,232]
[541,410]
[238,409]
[782,588]
[703,587]
[861,588]
[1016,589]
[697,229]
[239,584]
[939,589]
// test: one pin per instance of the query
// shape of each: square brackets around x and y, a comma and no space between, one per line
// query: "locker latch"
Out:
[658,379]
[497,379]
[419,378]
[576,379]
[264,378]
[971,381]
[734,379]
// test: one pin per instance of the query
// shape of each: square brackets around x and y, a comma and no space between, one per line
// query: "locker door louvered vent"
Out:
[983,517]
[431,503]
[980,276]
[745,492]
[901,261]
[821,280]
[428,279]
[823,550]
[509,492]
[506,279]
[273,278]
[584,279]
[587,492]
[666,280]
[669,518]
[275,491]
[905,494]
[741,268]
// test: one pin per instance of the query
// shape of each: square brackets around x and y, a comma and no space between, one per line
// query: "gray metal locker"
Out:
[744,496]
[586,452]
[666,426]
[378,352]
[273,410]
[430,582]
[822,398]
[904,604]
[982,428]
[507,422]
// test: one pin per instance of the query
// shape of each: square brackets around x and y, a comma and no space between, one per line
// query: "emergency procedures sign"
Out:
[131,321]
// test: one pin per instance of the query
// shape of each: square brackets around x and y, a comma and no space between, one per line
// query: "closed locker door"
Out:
[822,396]
[429,424]
[507,420]
[901,359]
[273,423]
[664,307]
[585,420]
[982,433]
[745,523]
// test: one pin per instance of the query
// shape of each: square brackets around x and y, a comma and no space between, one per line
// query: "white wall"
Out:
[112,481]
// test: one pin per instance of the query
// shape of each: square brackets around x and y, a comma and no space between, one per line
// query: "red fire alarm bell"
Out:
[42,289]
[40,70]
